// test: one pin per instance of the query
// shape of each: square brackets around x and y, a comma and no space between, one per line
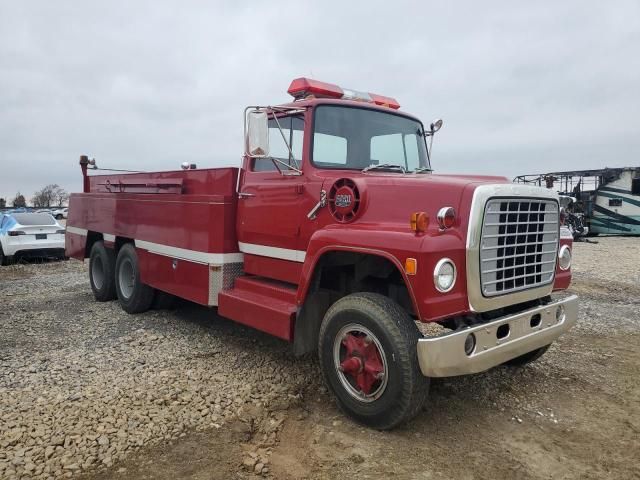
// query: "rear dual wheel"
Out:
[134,296]
[368,356]
[118,277]
[102,263]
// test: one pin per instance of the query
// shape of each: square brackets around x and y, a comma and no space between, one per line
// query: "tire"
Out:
[59,217]
[4,259]
[102,265]
[134,296]
[400,393]
[529,357]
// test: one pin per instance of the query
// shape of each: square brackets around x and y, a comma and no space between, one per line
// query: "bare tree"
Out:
[3,203]
[62,196]
[51,195]
[19,201]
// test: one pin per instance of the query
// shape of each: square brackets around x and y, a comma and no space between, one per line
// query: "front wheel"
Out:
[134,296]
[367,349]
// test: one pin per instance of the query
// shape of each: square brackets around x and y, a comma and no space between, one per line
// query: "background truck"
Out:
[336,236]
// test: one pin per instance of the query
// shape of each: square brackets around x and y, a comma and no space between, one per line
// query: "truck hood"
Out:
[389,198]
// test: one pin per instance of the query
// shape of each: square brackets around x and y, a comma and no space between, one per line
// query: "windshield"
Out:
[357,138]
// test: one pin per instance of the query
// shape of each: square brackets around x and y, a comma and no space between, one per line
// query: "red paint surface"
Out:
[563,278]
[252,306]
[283,270]
[74,245]
[179,277]
[201,219]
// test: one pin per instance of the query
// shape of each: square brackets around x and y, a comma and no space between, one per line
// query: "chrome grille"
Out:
[519,244]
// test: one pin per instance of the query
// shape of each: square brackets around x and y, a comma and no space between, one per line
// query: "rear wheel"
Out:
[368,357]
[102,263]
[529,357]
[4,259]
[134,296]
[59,216]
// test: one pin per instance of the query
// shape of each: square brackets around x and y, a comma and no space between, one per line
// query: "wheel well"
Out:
[349,272]
[93,237]
[340,273]
[120,241]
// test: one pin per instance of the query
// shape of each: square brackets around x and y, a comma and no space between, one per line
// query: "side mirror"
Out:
[257,133]
[436,125]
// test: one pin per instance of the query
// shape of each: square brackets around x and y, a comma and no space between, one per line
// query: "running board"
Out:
[261,304]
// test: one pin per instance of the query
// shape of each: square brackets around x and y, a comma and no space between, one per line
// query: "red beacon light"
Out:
[301,88]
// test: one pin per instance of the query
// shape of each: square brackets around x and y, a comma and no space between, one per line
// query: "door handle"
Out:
[246,195]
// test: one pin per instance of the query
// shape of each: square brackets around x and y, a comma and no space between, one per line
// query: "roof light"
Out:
[303,87]
[385,101]
[357,96]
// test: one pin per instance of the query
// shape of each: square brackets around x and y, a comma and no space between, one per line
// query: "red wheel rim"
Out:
[360,362]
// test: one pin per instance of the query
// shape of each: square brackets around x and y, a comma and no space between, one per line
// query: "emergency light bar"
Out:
[303,87]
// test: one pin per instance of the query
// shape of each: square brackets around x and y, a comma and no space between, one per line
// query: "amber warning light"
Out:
[419,222]
[302,88]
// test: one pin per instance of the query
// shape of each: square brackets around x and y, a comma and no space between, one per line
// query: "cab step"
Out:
[266,305]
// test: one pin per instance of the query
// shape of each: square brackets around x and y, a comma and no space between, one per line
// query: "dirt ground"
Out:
[574,414]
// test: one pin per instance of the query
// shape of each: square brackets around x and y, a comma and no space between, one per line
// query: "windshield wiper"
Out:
[422,170]
[385,166]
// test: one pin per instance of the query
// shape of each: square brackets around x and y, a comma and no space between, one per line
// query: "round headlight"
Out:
[564,257]
[444,275]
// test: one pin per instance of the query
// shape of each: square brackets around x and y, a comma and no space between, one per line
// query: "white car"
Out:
[30,234]
[60,213]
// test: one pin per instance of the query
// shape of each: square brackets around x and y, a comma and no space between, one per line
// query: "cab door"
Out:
[269,207]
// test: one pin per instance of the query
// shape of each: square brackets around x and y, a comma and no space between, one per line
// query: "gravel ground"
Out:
[89,391]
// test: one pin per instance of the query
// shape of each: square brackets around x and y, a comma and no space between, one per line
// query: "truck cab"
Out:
[337,236]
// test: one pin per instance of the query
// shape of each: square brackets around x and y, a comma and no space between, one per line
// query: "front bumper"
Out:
[444,356]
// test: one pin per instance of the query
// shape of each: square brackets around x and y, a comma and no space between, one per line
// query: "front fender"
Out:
[396,244]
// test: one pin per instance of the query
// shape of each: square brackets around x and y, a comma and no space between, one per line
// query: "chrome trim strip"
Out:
[444,356]
[273,252]
[482,193]
[191,255]
[76,230]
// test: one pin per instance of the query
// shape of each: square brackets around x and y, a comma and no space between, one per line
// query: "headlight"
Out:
[444,275]
[564,257]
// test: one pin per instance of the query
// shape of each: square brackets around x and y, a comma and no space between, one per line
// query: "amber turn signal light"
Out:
[411,266]
[419,222]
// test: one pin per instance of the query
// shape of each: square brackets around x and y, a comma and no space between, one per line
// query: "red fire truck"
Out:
[335,235]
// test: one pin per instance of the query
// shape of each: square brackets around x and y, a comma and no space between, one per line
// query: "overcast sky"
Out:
[523,87]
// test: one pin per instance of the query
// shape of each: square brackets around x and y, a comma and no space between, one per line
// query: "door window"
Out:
[293,130]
